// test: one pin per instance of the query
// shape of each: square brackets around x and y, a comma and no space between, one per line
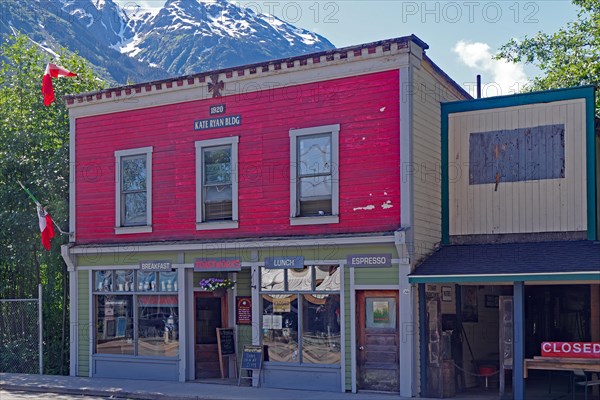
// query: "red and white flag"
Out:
[46,226]
[52,71]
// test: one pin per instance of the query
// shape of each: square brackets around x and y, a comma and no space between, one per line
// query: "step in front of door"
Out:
[207,369]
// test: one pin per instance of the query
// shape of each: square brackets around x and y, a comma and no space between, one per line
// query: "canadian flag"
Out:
[46,226]
[52,71]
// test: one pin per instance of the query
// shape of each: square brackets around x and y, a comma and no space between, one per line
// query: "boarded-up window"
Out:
[517,155]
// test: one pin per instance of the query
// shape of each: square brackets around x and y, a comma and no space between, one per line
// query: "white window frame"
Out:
[119,154]
[334,130]
[209,225]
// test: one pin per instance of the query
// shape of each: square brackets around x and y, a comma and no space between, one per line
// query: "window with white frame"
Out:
[133,190]
[136,312]
[301,314]
[216,183]
[314,183]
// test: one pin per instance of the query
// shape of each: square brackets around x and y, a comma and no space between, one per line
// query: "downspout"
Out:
[73,321]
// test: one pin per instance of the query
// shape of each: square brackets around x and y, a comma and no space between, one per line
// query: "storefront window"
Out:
[280,327]
[321,329]
[158,333]
[301,314]
[327,278]
[151,327]
[272,280]
[299,279]
[114,333]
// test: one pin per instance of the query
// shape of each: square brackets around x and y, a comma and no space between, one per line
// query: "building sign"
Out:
[284,262]
[282,305]
[243,310]
[217,264]
[571,349]
[217,122]
[156,265]
[217,109]
[369,260]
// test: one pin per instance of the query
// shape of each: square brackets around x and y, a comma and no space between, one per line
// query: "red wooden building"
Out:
[311,182]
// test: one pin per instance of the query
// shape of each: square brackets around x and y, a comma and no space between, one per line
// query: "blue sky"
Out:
[462,35]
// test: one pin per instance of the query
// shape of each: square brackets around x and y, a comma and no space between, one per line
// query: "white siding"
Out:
[533,206]
[429,90]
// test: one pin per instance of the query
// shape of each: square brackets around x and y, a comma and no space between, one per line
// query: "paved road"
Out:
[17,395]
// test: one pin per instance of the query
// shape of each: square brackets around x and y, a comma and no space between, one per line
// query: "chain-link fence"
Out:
[20,336]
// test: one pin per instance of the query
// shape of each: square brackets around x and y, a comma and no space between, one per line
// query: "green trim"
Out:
[546,96]
[445,183]
[586,92]
[582,276]
[591,163]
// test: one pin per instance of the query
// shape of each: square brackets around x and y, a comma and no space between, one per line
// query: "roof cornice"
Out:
[239,73]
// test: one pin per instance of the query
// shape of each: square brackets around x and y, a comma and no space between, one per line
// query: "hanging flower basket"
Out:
[218,286]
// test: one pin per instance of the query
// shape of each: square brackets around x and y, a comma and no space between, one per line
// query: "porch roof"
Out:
[510,262]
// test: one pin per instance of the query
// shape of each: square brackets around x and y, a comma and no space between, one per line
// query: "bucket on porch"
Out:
[488,374]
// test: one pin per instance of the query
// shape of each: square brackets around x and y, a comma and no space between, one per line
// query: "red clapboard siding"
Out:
[366,107]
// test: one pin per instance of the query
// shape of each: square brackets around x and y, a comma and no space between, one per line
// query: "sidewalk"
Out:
[150,390]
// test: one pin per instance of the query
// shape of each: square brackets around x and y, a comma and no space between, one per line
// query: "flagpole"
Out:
[38,204]
[29,193]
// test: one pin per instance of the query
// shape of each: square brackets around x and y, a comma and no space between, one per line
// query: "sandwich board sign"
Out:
[252,358]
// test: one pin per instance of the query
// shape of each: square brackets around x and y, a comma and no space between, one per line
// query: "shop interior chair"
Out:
[581,379]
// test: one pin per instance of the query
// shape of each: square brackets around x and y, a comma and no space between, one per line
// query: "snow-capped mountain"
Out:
[132,44]
[190,35]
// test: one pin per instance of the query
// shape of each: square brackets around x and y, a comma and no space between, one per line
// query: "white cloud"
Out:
[497,77]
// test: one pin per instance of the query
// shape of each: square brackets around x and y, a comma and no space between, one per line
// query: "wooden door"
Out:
[377,341]
[210,314]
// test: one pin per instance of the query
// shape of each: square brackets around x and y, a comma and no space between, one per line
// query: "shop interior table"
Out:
[561,364]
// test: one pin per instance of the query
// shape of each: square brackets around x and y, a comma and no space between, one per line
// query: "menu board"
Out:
[243,310]
[252,357]
[226,341]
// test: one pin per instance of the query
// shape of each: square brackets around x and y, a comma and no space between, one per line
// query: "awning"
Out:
[511,262]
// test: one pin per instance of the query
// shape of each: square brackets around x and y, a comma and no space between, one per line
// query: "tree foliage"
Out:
[569,57]
[34,149]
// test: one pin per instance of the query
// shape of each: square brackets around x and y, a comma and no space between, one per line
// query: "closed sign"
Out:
[571,349]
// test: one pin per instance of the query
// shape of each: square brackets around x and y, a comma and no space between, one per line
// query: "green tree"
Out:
[569,57]
[34,149]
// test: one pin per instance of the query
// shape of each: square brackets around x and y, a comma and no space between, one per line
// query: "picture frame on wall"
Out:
[446,293]
[491,301]
[469,309]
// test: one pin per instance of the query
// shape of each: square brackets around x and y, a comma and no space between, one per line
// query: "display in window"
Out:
[280,331]
[158,332]
[146,281]
[327,278]
[300,279]
[124,280]
[272,280]
[282,305]
[104,281]
[168,281]
[321,329]
[381,313]
[114,327]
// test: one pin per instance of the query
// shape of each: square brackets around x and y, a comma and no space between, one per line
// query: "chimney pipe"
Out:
[478,86]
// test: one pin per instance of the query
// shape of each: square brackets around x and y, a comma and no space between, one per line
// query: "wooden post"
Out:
[595,312]
[518,343]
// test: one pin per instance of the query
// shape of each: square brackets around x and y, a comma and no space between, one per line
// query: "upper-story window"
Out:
[133,190]
[216,184]
[314,184]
